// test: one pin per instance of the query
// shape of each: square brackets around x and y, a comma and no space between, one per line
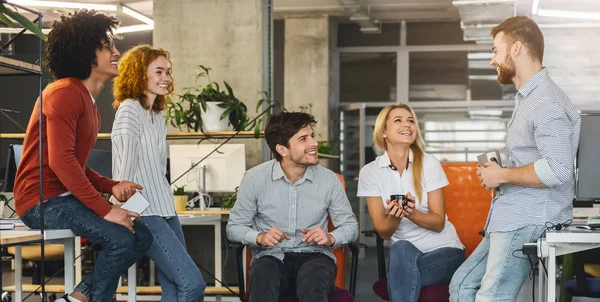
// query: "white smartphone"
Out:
[137,203]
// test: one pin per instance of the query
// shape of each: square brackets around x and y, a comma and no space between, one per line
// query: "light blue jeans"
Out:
[179,277]
[410,269]
[495,271]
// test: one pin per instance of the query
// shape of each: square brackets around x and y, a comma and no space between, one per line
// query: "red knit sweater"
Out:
[70,125]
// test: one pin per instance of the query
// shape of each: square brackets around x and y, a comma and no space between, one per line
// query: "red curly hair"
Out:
[132,80]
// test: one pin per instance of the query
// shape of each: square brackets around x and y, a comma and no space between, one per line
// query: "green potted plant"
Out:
[230,200]
[10,17]
[180,198]
[206,107]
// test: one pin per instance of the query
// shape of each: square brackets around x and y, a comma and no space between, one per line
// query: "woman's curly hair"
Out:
[73,41]
[132,81]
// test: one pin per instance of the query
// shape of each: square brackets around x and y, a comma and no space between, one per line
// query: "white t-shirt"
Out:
[377,179]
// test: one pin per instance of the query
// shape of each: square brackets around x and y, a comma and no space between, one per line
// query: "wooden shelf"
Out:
[170,135]
[10,66]
[12,239]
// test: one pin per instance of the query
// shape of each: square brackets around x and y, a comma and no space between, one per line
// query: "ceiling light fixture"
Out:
[36,3]
[534,7]
[148,22]
[568,14]
[135,14]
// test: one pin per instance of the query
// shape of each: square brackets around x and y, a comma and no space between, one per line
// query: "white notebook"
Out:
[137,203]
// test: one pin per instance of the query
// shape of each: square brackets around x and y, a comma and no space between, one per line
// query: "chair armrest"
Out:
[482,233]
[239,259]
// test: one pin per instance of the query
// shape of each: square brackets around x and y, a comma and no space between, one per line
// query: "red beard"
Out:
[507,72]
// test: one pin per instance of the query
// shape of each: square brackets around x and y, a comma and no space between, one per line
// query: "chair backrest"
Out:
[340,253]
[12,163]
[467,202]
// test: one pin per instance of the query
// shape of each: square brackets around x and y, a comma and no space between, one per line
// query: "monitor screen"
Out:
[588,163]
[12,162]
[225,168]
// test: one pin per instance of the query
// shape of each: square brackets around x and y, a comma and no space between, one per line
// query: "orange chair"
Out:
[467,206]
[467,203]
[339,295]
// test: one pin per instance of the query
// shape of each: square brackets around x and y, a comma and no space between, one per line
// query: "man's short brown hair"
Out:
[524,30]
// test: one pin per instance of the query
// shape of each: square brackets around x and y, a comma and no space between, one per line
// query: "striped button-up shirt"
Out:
[266,199]
[544,130]
[139,154]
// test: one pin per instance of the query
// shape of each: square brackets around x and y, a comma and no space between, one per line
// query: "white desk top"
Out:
[195,219]
[48,234]
[573,234]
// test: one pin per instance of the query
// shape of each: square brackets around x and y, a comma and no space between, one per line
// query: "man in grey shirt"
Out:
[282,212]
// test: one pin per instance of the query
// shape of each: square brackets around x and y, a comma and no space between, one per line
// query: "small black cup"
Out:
[400,198]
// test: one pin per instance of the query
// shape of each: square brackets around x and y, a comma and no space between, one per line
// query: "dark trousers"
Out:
[308,276]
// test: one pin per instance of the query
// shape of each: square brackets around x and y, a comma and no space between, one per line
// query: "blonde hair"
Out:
[417,147]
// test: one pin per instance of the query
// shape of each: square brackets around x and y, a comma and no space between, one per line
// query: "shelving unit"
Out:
[10,67]
[13,67]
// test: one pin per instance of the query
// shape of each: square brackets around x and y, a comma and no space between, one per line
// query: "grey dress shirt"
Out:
[266,199]
[544,130]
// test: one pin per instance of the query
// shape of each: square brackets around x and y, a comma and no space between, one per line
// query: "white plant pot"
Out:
[211,119]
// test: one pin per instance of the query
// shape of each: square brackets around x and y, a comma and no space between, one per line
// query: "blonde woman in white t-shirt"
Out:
[426,249]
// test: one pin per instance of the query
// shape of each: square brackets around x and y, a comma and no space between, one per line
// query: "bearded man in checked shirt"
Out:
[539,185]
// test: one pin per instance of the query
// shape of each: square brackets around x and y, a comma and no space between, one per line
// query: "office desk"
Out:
[185,219]
[65,237]
[557,243]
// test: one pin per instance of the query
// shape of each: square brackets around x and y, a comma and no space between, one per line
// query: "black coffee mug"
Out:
[400,198]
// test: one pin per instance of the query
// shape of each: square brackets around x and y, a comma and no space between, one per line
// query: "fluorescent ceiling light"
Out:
[481,2]
[134,28]
[485,112]
[570,25]
[568,14]
[103,7]
[137,15]
[483,77]
[480,55]
[148,22]
[534,7]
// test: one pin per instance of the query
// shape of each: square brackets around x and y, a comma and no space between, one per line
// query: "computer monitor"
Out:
[587,189]
[101,162]
[12,162]
[224,168]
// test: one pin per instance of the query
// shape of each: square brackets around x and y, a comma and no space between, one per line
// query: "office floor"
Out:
[367,273]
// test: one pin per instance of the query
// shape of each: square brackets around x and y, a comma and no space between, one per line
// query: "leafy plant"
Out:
[230,200]
[193,104]
[10,17]
[179,191]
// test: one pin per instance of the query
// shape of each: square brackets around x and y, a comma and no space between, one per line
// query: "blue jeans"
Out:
[120,247]
[495,271]
[179,277]
[410,269]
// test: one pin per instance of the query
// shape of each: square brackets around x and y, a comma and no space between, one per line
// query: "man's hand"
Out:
[124,190]
[121,217]
[490,175]
[317,236]
[272,237]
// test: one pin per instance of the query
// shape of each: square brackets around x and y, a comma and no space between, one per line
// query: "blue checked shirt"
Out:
[544,130]
[267,199]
